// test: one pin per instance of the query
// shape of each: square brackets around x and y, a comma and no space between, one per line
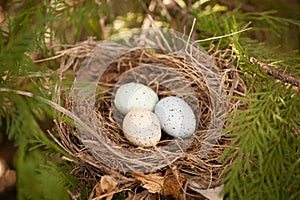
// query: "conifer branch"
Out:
[278,74]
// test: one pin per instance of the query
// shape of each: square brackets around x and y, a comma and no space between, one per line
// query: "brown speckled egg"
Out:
[142,128]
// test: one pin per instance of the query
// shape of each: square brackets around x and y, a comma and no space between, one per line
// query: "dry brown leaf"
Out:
[172,183]
[7,176]
[152,182]
[8,179]
[106,185]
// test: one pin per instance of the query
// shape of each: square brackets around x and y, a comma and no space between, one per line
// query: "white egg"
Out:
[132,96]
[176,117]
[142,128]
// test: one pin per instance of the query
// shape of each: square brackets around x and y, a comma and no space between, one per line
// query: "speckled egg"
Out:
[176,117]
[142,128]
[132,96]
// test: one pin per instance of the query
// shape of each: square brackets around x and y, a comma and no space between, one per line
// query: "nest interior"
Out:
[156,71]
[189,174]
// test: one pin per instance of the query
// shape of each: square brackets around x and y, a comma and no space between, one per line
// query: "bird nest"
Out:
[170,64]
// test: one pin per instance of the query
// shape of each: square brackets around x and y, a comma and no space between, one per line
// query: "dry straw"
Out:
[103,151]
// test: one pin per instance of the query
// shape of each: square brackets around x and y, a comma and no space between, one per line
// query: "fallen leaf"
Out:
[152,182]
[7,179]
[106,185]
[173,183]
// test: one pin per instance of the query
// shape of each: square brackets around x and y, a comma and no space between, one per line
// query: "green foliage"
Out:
[73,22]
[21,117]
[266,140]
[39,179]
[76,21]
[265,146]
[24,36]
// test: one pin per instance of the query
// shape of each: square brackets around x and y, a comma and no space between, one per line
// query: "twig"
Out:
[149,10]
[222,36]
[165,11]
[102,26]
[279,74]
[190,35]
[160,33]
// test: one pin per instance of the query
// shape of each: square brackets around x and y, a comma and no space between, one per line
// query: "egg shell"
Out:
[131,96]
[176,117]
[142,128]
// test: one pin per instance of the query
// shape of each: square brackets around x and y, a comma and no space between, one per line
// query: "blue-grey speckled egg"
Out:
[132,96]
[176,117]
